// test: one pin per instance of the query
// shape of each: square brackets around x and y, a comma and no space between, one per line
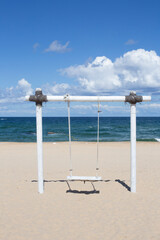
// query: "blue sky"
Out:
[81,48]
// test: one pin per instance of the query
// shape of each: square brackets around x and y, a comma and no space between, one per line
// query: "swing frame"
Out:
[132,98]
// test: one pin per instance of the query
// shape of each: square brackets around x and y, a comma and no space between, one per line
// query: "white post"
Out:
[39,147]
[133,147]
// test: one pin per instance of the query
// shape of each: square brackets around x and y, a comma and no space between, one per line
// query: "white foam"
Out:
[157,139]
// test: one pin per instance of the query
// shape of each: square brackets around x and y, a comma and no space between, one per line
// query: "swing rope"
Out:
[69,127]
[97,162]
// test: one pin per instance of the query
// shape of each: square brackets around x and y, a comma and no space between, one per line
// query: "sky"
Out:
[79,47]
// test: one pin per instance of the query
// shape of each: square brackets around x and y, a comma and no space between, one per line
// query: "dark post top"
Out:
[133,98]
[38,98]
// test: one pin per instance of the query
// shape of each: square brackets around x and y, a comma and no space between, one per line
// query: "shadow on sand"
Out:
[94,191]
[123,184]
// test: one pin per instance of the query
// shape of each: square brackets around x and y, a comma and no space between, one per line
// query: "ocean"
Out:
[55,129]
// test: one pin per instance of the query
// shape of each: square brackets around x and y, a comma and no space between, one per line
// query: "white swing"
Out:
[83,178]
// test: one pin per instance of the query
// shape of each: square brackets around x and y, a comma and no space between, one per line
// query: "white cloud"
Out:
[56,46]
[139,68]
[4,100]
[16,94]
[82,107]
[114,108]
[24,87]
[102,107]
[135,70]
[12,100]
[3,108]
[63,87]
[36,45]
[97,75]
[131,42]
[59,88]
[150,105]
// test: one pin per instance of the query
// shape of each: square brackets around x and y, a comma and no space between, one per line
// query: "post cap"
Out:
[133,98]
[38,98]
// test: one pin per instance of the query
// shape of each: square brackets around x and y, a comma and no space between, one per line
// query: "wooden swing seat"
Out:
[84,178]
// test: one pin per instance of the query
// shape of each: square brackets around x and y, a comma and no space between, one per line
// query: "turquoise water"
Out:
[19,129]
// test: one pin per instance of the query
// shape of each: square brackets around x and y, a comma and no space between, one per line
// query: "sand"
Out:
[78,211]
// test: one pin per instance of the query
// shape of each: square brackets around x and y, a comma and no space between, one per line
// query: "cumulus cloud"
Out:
[56,46]
[136,70]
[16,94]
[24,87]
[139,68]
[64,88]
[97,75]
[58,88]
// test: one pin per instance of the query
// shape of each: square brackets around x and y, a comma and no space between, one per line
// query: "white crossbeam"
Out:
[88,98]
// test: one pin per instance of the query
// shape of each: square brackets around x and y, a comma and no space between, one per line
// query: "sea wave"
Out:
[146,140]
[111,129]
[157,139]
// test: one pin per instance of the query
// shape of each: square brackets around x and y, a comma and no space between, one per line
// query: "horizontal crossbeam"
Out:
[86,98]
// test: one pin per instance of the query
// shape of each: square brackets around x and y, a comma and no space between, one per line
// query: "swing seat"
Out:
[83,178]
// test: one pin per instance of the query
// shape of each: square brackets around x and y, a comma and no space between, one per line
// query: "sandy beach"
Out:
[76,211]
